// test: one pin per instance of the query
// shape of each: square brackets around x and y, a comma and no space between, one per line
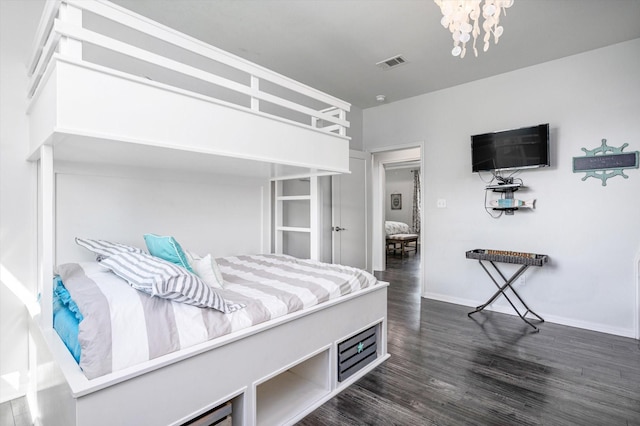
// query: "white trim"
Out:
[366,157]
[314,219]
[378,178]
[294,198]
[46,236]
[44,28]
[307,175]
[569,322]
[637,313]
[293,229]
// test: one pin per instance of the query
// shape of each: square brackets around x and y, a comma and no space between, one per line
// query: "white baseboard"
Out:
[570,322]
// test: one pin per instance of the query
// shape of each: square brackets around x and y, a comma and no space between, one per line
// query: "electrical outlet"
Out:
[441,203]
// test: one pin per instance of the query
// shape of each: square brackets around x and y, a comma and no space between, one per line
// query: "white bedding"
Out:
[392,227]
[123,327]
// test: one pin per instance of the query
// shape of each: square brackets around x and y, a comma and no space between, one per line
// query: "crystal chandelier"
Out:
[462,18]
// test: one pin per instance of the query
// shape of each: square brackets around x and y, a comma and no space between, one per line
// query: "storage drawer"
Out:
[219,416]
[357,351]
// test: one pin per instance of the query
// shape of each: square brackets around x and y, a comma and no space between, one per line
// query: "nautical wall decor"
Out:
[605,162]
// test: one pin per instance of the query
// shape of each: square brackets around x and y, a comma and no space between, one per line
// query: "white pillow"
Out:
[207,269]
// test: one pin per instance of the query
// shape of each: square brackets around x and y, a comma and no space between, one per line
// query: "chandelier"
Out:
[462,18]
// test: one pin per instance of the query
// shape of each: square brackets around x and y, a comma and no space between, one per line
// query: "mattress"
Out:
[119,326]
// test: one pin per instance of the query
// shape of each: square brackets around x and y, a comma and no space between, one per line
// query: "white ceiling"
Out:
[333,45]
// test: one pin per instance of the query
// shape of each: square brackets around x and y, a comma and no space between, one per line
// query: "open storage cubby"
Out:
[281,397]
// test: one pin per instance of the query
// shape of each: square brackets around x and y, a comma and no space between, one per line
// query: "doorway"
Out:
[389,159]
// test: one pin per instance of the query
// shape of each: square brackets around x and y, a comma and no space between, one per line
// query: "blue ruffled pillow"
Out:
[66,318]
[167,248]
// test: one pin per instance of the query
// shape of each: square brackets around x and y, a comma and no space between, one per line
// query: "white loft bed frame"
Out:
[77,114]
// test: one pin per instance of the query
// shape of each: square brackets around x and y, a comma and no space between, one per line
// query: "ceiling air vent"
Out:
[392,62]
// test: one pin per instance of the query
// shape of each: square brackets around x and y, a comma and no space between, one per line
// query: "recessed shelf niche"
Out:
[282,396]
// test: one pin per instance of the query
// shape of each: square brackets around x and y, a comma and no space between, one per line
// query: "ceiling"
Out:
[334,45]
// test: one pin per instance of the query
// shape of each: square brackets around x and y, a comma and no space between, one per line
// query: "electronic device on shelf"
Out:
[504,186]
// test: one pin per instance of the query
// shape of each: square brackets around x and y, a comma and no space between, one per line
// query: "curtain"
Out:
[417,195]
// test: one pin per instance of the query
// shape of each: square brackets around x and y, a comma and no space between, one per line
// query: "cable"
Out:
[486,208]
[487,182]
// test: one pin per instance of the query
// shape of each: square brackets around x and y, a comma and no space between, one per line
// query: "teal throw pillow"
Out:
[167,248]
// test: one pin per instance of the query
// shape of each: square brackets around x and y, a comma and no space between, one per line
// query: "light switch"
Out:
[441,203]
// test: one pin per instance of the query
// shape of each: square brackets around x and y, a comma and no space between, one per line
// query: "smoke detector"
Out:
[380,98]
[392,62]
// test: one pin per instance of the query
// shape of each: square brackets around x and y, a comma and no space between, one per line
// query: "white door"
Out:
[349,213]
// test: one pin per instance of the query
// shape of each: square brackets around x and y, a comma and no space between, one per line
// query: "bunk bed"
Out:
[113,91]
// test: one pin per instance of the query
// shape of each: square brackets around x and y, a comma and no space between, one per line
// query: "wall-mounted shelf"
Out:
[507,188]
[505,209]
[510,187]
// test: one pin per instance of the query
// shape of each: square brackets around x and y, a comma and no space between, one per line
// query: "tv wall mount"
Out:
[605,162]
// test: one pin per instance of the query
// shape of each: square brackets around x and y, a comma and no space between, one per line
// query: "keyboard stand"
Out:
[538,260]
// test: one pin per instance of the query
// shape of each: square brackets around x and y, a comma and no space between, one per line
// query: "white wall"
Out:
[18,21]
[399,181]
[216,214]
[591,232]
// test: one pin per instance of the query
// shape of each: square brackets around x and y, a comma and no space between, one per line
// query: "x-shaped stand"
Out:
[501,291]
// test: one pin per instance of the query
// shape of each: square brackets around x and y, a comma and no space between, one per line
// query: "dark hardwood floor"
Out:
[449,369]
[15,413]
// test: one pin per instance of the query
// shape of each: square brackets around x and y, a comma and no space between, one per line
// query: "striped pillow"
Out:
[164,279]
[104,249]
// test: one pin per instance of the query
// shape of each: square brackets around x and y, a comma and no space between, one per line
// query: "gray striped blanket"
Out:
[123,327]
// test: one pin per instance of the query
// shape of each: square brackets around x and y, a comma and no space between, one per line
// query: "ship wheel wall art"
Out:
[605,162]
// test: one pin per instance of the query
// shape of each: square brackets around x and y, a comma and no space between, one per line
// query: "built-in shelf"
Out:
[504,188]
[284,396]
[296,212]
[294,198]
[293,229]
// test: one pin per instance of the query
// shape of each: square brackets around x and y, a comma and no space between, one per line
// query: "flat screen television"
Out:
[523,148]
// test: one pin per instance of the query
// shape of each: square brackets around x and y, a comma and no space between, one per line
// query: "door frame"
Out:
[366,157]
[381,157]
[637,277]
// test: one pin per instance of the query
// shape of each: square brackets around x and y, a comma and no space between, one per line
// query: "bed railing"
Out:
[99,33]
